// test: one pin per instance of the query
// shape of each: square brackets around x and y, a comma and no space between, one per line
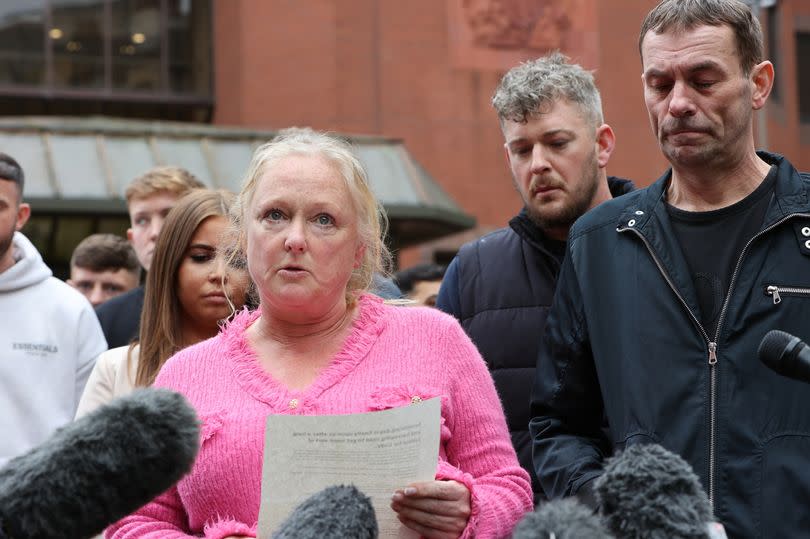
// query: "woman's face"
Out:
[203,301]
[302,235]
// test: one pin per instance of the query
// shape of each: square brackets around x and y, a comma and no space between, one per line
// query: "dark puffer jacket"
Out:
[500,288]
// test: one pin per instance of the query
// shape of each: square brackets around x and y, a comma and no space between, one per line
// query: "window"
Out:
[137,47]
[76,44]
[189,48]
[56,235]
[22,43]
[803,74]
[152,52]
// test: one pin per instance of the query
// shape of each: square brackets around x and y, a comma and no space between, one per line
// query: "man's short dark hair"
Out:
[11,170]
[406,279]
[681,15]
[105,252]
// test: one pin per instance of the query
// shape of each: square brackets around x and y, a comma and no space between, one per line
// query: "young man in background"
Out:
[104,266]
[49,336]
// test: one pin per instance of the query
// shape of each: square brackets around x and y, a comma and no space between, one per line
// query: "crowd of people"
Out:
[602,316]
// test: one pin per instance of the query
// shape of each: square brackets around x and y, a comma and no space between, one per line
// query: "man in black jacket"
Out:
[666,293]
[501,286]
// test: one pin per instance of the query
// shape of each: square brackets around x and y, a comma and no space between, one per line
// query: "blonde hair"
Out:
[174,180]
[372,220]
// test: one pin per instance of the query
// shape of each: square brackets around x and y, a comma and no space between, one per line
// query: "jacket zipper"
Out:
[778,291]
[712,345]
[712,357]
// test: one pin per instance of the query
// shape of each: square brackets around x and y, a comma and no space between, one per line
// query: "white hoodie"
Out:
[49,339]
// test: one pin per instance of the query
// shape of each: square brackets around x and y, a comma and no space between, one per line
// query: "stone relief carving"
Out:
[518,24]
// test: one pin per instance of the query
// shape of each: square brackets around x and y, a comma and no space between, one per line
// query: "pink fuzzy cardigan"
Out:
[392,355]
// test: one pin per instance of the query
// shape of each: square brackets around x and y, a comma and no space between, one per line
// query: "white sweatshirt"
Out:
[49,339]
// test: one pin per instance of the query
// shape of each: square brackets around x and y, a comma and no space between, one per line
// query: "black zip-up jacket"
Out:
[500,288]
[624,342]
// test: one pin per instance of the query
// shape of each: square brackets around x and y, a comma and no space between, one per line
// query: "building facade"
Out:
[422,71]
[425,70]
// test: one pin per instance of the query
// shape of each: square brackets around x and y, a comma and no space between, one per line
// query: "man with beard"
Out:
[500,286]
[49,336]
[666,293]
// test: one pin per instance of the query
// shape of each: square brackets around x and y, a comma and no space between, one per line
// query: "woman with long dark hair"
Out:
[190,289]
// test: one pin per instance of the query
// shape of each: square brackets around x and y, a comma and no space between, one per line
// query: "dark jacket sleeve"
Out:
[120,317]
[449,298]
[569,443]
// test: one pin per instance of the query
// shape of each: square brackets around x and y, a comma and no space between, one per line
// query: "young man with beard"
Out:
[666,293]
[500,286]
[49,336]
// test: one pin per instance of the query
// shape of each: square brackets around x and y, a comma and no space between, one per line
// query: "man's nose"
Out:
[540,162]
[155,226]
[681,103]
[97,295]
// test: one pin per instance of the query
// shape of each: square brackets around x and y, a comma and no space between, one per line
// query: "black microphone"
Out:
[648,492]
[565,518]
[333,513]
[99,468]
[786,354]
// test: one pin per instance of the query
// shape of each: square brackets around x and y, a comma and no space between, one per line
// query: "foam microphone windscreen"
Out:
[649,492]
[333,513]
[786,354]
[562,519]
[100,468]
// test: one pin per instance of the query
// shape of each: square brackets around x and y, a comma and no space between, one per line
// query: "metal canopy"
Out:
[83,166]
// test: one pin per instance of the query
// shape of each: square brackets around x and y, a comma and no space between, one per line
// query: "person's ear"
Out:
[508,157]
[605,143]
[761,77]
[358,256]
[23,213]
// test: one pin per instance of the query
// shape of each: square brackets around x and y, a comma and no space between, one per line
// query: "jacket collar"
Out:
[619,186]
[647,216]
[534,235]
[792,195]
[529,232]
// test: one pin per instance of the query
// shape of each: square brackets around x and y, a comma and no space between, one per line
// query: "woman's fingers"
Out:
[435,509]
[449,508]
[432,520]
[428,532]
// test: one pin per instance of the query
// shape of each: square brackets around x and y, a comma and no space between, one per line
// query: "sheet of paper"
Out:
[378,452]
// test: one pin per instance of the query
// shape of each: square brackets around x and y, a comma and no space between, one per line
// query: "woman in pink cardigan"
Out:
[310,229]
